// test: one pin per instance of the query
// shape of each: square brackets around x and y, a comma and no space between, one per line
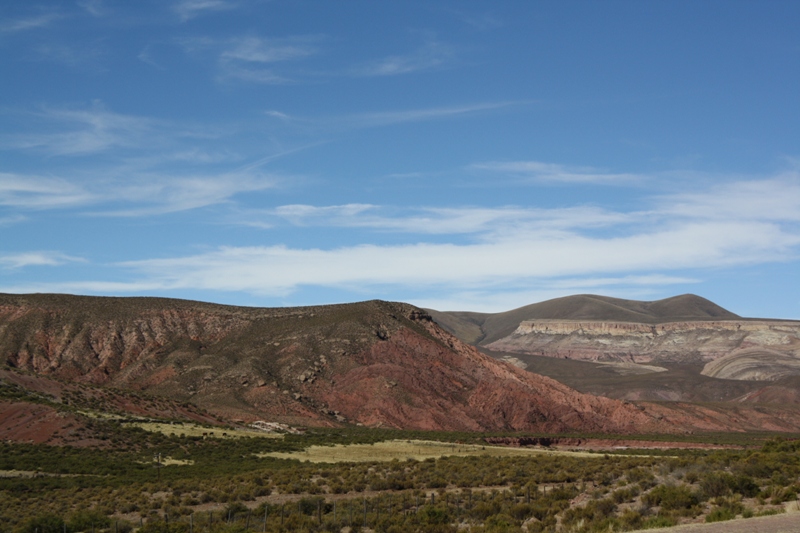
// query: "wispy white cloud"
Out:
[304,214]
[189,9]
[775,200]
[245,58]
[490,222]
[146,56]
[199,156]
[252,58]
[771,199]
[148,166]
[509,251]
[258,50]
[12,220]
[386,118]
[510,247]
[30,23]
[649,280]
[36,192]
[383,118]
[431,54]
[83,131]
[27,259]
[279,270]
[133,195]
[549,172]
[96,8]
[70,54]
[262,76]
[156,194]
[478,21]
[95,129]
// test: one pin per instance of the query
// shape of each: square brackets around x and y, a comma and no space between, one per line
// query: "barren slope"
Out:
[678,349]
[374,363]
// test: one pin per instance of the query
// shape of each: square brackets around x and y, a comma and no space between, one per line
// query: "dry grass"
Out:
[19,473]
[409,449]
[194,430]
[168,461]
[31,473]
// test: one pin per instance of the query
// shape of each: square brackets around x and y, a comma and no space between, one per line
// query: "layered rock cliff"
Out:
[772,348]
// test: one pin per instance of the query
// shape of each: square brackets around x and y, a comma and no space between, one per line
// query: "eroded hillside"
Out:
[731,349]
[373,363]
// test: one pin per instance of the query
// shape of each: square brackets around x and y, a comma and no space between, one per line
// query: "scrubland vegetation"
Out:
[230,485]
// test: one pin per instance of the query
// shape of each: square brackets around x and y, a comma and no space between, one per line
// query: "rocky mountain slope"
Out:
[373,363]
[38,409]
[682,349]
[685,329]
[730,349]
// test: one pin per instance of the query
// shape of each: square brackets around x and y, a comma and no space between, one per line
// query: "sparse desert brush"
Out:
[538,488]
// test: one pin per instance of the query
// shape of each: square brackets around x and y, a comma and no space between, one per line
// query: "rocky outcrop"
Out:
[758,364]
[780,329]
[671,342]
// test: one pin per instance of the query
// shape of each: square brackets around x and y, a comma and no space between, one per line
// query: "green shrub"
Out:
[160,526]
[625,495]
[433,515]
[87,520]
[716,484]
[637,475]
[45,523]
[235,508]
[631,519]
[660,521]
[719,514]
[745,485]
[671,497]
[501,523]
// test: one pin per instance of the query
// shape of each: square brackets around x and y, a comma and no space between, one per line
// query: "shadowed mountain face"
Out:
[374,363]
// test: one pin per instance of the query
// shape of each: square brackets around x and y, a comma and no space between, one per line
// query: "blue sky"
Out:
[452,154]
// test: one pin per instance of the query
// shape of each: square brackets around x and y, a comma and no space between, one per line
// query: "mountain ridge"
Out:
[484,328]
[374,363]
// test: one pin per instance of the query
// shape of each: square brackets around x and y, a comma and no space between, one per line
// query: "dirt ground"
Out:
[782,523]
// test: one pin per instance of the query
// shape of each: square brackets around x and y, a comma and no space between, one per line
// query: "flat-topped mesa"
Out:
[569,327]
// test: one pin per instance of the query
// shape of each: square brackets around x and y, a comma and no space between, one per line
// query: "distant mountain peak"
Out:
[484,328]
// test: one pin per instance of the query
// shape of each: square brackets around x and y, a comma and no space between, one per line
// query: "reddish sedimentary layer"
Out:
[375,363]
[372,363]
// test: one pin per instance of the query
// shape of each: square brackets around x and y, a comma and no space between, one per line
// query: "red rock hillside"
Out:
[374,363]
